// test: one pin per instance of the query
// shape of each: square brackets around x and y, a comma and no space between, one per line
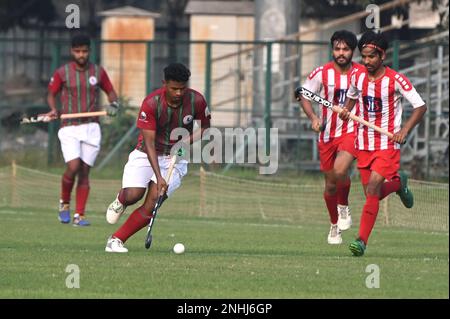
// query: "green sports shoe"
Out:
[406,196]
[357,247]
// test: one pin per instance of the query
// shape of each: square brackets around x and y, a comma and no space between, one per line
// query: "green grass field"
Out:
[224,258]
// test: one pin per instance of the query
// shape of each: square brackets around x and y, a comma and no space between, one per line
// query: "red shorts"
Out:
[328,151]
[384,162]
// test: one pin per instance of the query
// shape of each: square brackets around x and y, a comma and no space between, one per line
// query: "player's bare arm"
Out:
[112,96]
[51,101]
[113,106]
[414,119]
[149,140]
[309,111]
[347,108]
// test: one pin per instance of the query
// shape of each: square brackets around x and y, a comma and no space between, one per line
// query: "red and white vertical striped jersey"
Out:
[380,102]
[332,85]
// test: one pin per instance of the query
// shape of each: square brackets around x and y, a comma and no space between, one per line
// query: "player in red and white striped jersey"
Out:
[337,138]
[379,90]
[78,82]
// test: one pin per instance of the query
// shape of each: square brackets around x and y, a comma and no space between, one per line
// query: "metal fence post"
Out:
[395,54]
[440,65]
[238,86]
[268,96]
[330,52]
[148,69]
[208,74]
[94,51]
[427,114]
[121,68]
[53,125]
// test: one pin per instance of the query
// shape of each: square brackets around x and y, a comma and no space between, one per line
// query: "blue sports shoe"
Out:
[80,220]
[64,213]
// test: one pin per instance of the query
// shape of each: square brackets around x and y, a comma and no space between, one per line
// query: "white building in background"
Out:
[126,63]
[222,21]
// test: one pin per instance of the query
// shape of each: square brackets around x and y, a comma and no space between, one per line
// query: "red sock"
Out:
[82,196]
[137,220]
[331,201]
[368,217]
[389,187]
[342,191]
[66,188]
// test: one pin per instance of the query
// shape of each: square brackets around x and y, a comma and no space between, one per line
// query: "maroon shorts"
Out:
[328,151]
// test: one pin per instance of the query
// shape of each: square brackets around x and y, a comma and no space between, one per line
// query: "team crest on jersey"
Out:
[142,116]
[187,119]
[93,80]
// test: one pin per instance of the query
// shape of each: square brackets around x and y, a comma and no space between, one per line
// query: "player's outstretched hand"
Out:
[112,108]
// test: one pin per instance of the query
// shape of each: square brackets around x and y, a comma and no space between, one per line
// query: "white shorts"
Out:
[80,141]
[138,171]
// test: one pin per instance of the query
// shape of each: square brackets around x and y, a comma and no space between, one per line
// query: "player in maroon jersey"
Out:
[78,82]
[336,137]
[379,90]
[166,109]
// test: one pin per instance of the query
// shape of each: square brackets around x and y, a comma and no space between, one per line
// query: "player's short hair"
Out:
[79,40]
[346,36]
[374,40]
[176,72]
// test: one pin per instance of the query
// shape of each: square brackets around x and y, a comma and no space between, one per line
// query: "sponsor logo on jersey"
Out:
[372,104]
[207,112]
[339,96]
[142,116]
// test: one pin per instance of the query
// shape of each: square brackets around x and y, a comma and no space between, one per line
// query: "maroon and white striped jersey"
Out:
[79,89]
[156,115]
[330,84]
[380,102]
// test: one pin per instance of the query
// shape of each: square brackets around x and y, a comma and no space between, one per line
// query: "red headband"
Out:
[373,46]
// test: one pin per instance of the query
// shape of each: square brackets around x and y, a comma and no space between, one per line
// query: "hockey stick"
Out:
[148,238]
[308,94]
[43,118]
